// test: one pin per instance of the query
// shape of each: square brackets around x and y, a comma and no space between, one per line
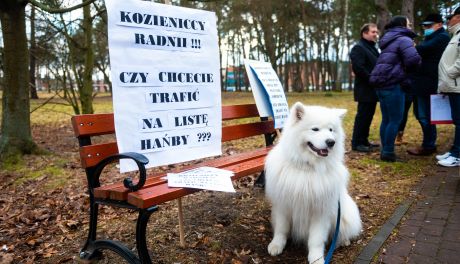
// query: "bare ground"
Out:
[44,216]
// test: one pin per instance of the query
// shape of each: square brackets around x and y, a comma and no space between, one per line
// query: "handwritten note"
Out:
[206,178]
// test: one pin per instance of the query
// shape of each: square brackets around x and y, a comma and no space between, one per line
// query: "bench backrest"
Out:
[90,125]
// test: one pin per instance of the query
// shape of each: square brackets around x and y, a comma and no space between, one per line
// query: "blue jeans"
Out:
[392,108]
[454,99]
[422,113]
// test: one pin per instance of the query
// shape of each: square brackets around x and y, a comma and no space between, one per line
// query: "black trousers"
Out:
[363,120]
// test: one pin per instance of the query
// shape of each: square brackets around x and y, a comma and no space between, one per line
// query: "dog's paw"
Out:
[343,243]
[275,248]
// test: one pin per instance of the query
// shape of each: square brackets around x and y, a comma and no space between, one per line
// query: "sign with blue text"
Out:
[166,81]
[268,91]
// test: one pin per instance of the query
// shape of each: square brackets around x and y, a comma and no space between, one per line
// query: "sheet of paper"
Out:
[206,178]
[440,109]
[268,91]
[166,81]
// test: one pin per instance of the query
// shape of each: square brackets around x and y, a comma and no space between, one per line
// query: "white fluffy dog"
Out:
[305,178]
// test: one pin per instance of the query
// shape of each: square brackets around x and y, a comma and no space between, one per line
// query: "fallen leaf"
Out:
[6,258]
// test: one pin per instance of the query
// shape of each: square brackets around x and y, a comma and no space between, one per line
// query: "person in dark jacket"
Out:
[425,80]
[397,58]
[363,57]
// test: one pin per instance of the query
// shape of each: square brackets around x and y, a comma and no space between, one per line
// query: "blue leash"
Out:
[334,240]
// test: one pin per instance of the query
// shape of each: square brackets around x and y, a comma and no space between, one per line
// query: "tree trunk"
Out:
[383,15]
[32,62]
[287,69]
[407,9]
[86,90]
[350,70]
[16,137]
[342,39]
[225,87]
[298,80]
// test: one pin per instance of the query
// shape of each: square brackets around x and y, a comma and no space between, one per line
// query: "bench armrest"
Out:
[140,160]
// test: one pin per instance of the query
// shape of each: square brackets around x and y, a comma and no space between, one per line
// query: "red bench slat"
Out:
[93,124]
[246,130]
[93,154]
[239,111]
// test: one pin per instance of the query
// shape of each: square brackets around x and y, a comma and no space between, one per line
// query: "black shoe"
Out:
[421,151]
[390,158]
[361,148]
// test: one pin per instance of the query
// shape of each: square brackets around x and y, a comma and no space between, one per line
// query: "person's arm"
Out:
[454,70]
[410,57]
[437,43]
[358,62]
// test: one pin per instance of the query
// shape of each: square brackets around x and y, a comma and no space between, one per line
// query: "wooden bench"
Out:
[152,190]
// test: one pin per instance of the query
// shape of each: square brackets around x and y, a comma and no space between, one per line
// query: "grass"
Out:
[407,168]
[33,175]
[37,167]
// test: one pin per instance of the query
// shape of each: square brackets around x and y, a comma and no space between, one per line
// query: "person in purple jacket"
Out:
[398,57]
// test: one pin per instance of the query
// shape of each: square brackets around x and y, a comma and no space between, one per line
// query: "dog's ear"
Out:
[298,112]
[341,112]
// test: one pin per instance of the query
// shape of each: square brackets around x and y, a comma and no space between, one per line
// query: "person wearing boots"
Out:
[425,80]
[363,57]
[390,74]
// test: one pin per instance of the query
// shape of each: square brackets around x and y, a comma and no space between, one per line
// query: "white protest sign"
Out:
[268,91]
[440,109]
[166,81]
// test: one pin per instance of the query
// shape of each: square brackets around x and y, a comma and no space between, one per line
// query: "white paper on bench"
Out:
[206,178]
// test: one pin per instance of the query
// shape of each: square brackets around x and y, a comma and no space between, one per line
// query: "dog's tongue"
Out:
[323,152]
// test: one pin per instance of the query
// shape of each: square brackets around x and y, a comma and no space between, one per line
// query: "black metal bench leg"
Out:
[87,251]
[141,241]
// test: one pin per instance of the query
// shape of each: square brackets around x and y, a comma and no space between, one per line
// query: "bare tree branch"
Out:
[58,10]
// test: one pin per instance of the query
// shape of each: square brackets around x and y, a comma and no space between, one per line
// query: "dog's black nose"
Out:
[330,143]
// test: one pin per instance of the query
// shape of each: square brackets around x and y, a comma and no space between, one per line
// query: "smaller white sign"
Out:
[206,178]
[268,91]
[440,109]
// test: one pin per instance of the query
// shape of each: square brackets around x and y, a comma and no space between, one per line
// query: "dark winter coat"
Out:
[398,58]
[363,57]
[425,79]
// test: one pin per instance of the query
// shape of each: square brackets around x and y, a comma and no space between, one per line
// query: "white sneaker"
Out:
[450,162]
[443,156]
